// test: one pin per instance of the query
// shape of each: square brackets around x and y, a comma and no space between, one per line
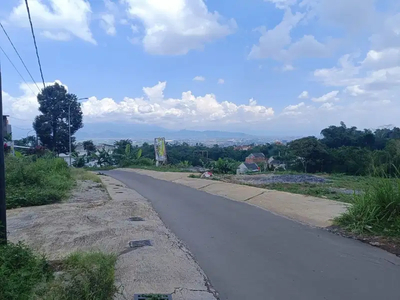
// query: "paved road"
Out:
[249,253]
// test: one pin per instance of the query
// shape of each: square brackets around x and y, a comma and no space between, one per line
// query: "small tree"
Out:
[89,147]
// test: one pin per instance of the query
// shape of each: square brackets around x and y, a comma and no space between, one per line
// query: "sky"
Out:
[267,67]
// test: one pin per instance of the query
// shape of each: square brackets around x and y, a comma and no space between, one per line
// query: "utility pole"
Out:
[3,217]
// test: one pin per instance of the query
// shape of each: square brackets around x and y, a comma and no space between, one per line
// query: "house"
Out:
[247,168]
[256,158]
[276,164]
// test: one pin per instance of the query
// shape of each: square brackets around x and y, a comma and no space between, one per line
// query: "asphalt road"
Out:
[249,253]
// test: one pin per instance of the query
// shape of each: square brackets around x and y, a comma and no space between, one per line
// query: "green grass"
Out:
[377,211]
[21,271]
[31,182]
[82,174]
[84,276]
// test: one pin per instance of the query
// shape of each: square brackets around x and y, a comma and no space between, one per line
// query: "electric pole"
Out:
[3,217]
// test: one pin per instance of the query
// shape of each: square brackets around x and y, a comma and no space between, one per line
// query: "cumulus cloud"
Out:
[107,22]
[59,20]
[327,97]
[199,78]
[303,95]
[221,81]
[155,108]
[176,27]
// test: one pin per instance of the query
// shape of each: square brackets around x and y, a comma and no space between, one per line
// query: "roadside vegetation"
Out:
[26,275]
[376,211]
[32,181]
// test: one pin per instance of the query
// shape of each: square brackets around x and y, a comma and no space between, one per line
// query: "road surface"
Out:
[250,253]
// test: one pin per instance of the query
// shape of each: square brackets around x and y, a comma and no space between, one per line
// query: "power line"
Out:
[16,51]
[5,54]
[34,42]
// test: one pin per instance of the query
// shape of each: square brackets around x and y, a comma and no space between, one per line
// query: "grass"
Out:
[85,276]
[31,182]
[82,174]
[21,271]
[377,211]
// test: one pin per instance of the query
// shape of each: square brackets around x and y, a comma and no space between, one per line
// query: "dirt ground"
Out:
[98,218]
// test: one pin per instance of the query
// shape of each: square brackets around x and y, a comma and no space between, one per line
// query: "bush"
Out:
[21,271]
[377,211]
[225,166]
[86,276]
[31,181]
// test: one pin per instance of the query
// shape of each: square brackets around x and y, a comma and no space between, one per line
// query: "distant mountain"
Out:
[139,131]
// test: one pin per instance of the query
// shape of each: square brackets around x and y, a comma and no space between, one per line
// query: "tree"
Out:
[52,125]
[89,147]
[310,152]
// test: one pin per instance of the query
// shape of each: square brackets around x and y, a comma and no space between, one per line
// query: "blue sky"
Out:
[138,61]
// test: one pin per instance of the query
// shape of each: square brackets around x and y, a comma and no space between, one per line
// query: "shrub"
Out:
[225,166]
[86,276]
[377,211]
[36,181]
[21,271]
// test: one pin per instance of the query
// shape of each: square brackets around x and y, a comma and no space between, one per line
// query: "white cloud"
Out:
[327,97]
[282,4]
[221,81]
[57,20]
[277,43]
[342,75]
[287,67]
[58,36]
[107,22]
[154,108]
[199,78]
[352,15]
[386,58]
[304,95]
[389,35]
[272,42]
[175,27]
[294,107]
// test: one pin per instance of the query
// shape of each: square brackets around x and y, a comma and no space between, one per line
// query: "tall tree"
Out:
[52,125]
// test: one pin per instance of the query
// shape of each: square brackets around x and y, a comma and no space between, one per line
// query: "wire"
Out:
[34,41]
[16,51]
[5,54]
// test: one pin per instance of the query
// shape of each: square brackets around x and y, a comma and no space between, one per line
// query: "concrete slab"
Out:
[310,210]
[194,183]
[232,191]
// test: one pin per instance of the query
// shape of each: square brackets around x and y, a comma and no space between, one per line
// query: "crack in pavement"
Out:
[253,197]
[203,187]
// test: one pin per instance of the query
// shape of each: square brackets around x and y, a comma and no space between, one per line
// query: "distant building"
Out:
[242,148]
[247,168]
[256,158]
[106,147]
[276,164]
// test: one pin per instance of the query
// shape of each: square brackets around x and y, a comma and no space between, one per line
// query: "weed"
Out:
[85,276]
[31,181]
[21,271]
[377,211]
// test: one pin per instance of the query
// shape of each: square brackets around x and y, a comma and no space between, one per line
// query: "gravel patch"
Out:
[88,191]
[270,178]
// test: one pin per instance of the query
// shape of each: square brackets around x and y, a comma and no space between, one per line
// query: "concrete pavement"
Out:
[306,209]
[250,253]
